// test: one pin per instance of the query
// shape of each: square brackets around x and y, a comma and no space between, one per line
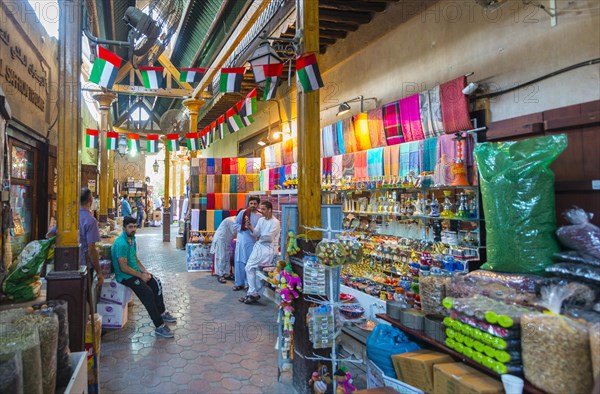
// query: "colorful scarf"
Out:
[392,124]
[455,106]
[361,131]
[349,137]
[375,162]
[376,129]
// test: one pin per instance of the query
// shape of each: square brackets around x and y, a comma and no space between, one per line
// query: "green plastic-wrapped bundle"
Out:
[517,188]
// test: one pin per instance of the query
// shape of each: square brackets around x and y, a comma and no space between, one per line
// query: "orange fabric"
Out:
[361,132]
[218,201]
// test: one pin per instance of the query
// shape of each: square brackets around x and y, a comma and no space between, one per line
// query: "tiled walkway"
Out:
[220,345]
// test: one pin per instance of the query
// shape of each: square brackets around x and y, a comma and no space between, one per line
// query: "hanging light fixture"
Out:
[262,142]
[155,166]
[263,55]
[122,146]
[343,109]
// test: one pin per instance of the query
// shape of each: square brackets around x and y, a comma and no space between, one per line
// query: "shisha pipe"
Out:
[458,168]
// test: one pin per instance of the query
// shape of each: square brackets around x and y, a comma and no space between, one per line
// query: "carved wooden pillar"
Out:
[104,101]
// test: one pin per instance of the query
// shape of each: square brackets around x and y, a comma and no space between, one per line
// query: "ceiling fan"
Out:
[151,30]
[175,121]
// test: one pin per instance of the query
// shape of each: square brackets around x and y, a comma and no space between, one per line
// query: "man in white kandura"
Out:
[266,232]
[221,247]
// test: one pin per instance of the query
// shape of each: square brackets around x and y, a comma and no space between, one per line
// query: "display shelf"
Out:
[407,189]
[413,216]
[274,192]
[419,335]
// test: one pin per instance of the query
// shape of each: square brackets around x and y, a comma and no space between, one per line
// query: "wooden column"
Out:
[111,187]
[309,168]
[193,106]
[166,216]
[181,188]
[68,281]
[104,101]
[309,192]
[69,138]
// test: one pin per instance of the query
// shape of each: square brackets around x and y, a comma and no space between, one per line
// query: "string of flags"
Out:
[107,64]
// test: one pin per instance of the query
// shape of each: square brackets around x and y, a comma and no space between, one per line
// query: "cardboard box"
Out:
[480,384]
[416,368]
[446,377]
[113,315]
[458,378]
[115,293]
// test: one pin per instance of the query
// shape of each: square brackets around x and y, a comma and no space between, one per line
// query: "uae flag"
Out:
[213,132]
[192,75]
[234,122]
[308,74]
[247,107]
[133,141]
[172,142]
[272,74]
[91,138]
[193,141]
[222,126]
[231,79]
[152,143]
[112,139]
[152,77]
[104,70]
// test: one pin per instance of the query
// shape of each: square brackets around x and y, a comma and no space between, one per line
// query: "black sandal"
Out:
[221,279]
[238,288]
[243,299]
[228,277]
[251,299]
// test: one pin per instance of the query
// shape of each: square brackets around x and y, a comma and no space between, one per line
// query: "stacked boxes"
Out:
[114,298]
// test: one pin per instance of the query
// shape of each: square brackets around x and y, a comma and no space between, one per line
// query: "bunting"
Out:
[104,70]
[152,143]
[234,122]
[112,140]
[193,141]
[308,74]
[91,138]
[152,77]
[231,79]
[133,142]
[172,142]
[192,75]
[272,74]
[247,107]
[221,123]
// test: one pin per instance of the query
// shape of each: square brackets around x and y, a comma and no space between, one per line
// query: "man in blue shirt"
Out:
[89,234]
[130,272]
[125,207]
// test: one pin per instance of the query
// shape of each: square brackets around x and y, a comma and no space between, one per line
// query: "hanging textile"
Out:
[288,151]
[202,224]
[327,142]
[218,201]
[282,177]
[376,130]
[203,166]
[241,201]
[326,165]
[219,183]
[225,167]
[226,180]
[429,154]
[264,180]
[360,165]
[391,160]
[415,155]
[210,200]
[431,112]
[404,159]
[227,201]
[348,164]
[250,165]
[218,166]
[202,184]
[375,162]
[210,184]
[455,106]
[349,137]
[391,123]
[339,129]
[210,166]
[241,183]
[278,154]
[210,220]
[361,131]
[337,166]
[233,183]
[241,165]
[233,165]
[410,118]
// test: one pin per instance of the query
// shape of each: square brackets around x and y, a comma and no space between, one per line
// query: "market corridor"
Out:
[220,345]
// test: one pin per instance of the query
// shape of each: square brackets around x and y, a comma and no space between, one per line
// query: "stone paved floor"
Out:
[220,345]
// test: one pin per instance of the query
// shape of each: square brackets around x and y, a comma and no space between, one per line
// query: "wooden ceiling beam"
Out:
[335,34]
[344,16]
[351,5]
[324,24]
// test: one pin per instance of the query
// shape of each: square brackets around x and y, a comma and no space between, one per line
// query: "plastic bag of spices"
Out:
[11,374]
[26,341]
[552,344]
[581,235]
[46,323]
[63,362]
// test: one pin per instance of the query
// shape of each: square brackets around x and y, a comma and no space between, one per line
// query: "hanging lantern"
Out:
[263,55]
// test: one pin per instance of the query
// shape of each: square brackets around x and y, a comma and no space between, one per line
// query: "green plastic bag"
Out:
[517,188]
[23,283]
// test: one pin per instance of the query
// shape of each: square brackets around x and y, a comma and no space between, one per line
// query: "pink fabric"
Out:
[455,106]
[392,124]
[410,115]
[360,165]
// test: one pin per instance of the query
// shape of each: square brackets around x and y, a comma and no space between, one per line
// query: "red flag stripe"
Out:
[273,70]
[133,136]
[91,132]
[236,70]
[305,60]
[191,135]
[148,68]
[202,70]
[221,119]
[112,134]
[230,112]
[152,137]
[110,57]
[172,136]
[253,91]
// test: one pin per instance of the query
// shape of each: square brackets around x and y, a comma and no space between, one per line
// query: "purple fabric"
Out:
[88,233]
[410,115]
